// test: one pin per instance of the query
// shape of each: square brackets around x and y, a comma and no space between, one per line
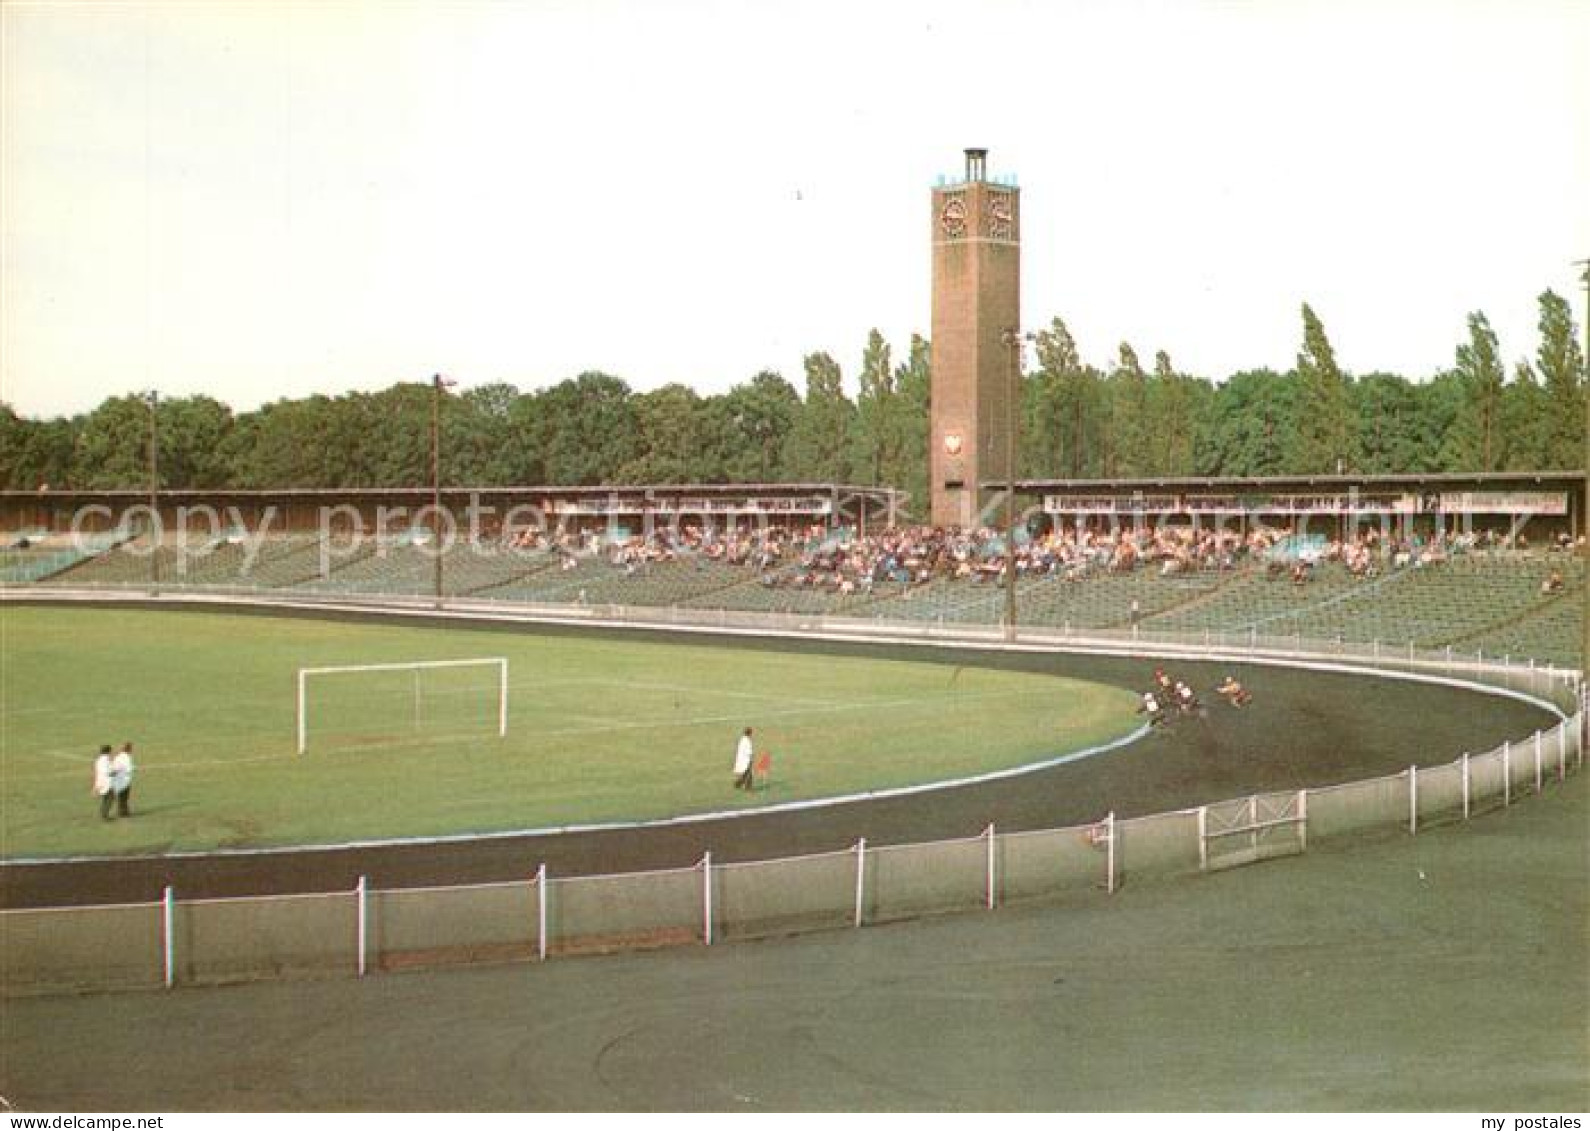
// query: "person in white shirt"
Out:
[121,775]
[744,759]
[102,788]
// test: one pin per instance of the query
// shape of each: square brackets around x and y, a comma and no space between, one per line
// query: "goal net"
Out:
[373,703]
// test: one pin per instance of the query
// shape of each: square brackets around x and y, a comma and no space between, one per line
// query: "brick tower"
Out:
[976,299]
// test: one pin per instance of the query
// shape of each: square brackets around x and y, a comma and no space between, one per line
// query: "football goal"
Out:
[376,702]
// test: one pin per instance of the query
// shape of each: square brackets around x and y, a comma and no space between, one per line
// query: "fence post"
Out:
[168,924]
[1507,774]
[1537,762]
[541,913]
[1465,785]
[706,896]
[303,725]
[1413,799]
[992,878]
[1109,851]
[502,700]
[364,922]
[1302,820]
[1203,838]
[861,875]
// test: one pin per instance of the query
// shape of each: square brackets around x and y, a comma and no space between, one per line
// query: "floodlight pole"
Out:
[152,399]
[436,481]
[1012,339]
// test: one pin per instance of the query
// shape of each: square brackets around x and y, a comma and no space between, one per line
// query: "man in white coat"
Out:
[121,775]
[744,757]
[102,788]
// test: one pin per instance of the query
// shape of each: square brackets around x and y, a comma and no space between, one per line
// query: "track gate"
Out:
[1247,829]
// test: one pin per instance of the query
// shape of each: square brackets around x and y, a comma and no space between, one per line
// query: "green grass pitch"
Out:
[600,729]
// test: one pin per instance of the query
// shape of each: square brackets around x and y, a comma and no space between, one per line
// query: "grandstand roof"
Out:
[1562,480]
[663,490]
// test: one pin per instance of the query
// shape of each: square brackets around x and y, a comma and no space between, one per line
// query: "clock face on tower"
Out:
[952,217]
[1001,217]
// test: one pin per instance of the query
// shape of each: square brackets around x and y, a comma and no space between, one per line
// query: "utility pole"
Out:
[438,383]
[1012,339]
[152,399]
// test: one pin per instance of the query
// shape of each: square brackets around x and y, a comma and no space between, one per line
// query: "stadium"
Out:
[389,759]
[982,730]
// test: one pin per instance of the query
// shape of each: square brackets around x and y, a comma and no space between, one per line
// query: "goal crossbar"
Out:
[500,662]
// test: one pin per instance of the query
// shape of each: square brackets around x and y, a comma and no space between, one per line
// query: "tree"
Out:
[317,441]
[585,430]
[1440,404]
[480,444]
[1042,427]
[1128,431]
[820,443]
[35,454]
[671,423]
[1324,430]
[1561,362]
[1524,420]
[113,446]
[387,435]
[1062,410]
[878,426]
[1390,426]
[1476,440]
[750,428]
[266,448]
[1175,404]
[1252,426]
[913,384]
[192,432]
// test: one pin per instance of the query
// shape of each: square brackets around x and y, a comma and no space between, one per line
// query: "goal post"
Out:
[307,675]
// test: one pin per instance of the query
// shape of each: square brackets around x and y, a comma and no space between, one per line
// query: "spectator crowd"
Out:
[846,561]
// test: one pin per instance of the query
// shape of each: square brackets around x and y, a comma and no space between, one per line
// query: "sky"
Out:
[265,200]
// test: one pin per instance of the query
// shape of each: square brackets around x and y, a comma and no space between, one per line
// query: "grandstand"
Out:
[34,555]
[1497,602]
[1432,561]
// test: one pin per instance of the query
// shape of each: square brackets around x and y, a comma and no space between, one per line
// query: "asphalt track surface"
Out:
[1304,728]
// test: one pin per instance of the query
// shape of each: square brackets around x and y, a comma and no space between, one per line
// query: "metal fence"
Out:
[186,942]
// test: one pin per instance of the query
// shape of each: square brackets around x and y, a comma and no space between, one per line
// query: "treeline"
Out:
[1079,421]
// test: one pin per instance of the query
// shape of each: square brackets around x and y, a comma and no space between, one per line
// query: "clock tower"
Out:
[976,301]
